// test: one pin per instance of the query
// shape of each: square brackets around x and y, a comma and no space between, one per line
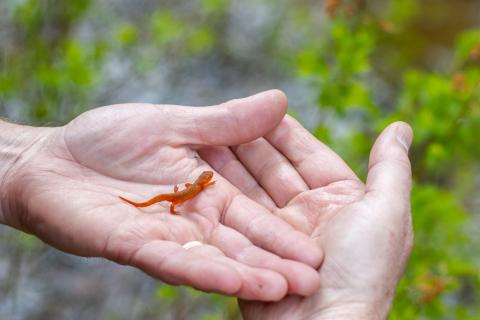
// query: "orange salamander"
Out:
[177,197]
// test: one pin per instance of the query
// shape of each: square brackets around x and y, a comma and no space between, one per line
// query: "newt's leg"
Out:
[172,208]
[175,188]
[188,185]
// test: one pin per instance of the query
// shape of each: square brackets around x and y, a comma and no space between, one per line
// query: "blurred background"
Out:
[349,68]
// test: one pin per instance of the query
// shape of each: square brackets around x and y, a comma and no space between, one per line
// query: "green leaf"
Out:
[127,34]
[166,27]
[214,6]
[465,44]
[200,40]
[166,292]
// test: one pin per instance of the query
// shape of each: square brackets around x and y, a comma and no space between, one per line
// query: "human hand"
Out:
[65,189]
[364,230]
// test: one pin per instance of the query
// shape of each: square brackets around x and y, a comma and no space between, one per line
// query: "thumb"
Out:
[230,123]
[389,173]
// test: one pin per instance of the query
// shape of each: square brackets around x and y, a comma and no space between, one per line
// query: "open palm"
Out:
[66,188]
[363,229]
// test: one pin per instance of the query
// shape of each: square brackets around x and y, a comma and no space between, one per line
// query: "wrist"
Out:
[360,309]
[349,312]
[16,147]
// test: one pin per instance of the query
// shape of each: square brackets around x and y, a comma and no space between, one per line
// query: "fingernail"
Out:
[404,136]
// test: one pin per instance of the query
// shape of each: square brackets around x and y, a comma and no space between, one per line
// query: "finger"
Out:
[316,163]
[222,160]
[151,243]
[301,279]
[206,268]
[270,232]
[389,174]
[271,169]
[233,122]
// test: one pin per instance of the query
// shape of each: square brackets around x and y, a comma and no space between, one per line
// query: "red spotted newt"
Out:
[177,197]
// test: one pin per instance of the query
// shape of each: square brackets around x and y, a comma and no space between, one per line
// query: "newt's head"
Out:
[205,177]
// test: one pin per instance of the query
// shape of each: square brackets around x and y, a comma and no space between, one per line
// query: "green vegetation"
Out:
[364,65]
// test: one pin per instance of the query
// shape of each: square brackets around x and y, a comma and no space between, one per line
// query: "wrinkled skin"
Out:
[364,229]
[64,188]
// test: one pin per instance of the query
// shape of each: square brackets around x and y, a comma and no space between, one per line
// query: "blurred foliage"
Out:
[181,302]
[368,64]
[442,280]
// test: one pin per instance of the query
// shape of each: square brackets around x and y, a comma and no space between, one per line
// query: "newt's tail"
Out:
[144,204]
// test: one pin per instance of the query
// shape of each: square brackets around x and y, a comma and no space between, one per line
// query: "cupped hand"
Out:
[364,230]
[65,189]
